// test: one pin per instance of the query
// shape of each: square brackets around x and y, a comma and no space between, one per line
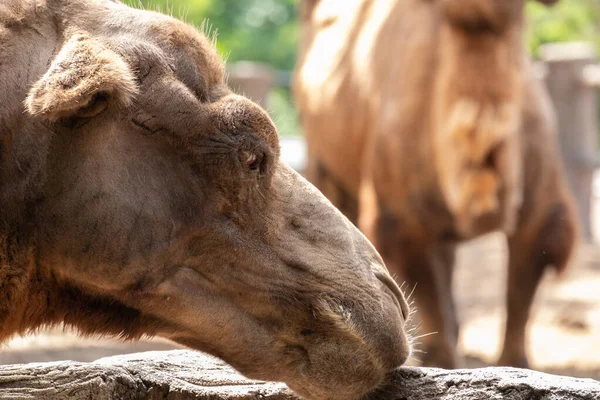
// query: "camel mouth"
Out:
[346,357]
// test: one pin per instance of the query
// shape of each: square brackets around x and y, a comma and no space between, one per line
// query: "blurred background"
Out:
[266,32]
[258,39]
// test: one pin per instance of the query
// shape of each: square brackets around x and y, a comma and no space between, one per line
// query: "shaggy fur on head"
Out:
[82,70]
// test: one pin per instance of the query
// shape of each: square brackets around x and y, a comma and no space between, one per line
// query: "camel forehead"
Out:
[187,41]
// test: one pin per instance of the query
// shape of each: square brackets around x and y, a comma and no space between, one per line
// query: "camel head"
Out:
[140,196]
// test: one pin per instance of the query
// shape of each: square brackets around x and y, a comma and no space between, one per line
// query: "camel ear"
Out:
[82,79]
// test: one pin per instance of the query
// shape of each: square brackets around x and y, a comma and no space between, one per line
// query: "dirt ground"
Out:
[564,336]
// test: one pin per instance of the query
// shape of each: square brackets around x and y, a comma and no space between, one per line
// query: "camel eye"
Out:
[253,161]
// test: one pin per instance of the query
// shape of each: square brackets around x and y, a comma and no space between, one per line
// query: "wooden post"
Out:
[253,80]
[574,99]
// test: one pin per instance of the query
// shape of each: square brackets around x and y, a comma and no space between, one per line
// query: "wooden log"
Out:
[177,375]
[411,383]
[186,375]
[568,67]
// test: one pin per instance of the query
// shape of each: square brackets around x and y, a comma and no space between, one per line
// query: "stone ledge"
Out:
[185,375]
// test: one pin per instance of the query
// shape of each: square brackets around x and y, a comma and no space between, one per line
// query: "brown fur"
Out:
[140,196]
[429,114]
[79,72]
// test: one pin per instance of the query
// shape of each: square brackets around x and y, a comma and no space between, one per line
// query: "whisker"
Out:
[410,295]
[425,335]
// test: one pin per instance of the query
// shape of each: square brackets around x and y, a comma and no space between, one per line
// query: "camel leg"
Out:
[533,247]
[432,275]
[445,261]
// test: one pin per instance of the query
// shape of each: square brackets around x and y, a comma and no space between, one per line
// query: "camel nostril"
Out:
[396,293]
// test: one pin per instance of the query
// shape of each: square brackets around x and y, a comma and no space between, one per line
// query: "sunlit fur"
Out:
[426,126]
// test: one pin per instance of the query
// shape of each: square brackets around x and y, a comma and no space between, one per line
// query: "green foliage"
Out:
[255,30]
[569,20]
